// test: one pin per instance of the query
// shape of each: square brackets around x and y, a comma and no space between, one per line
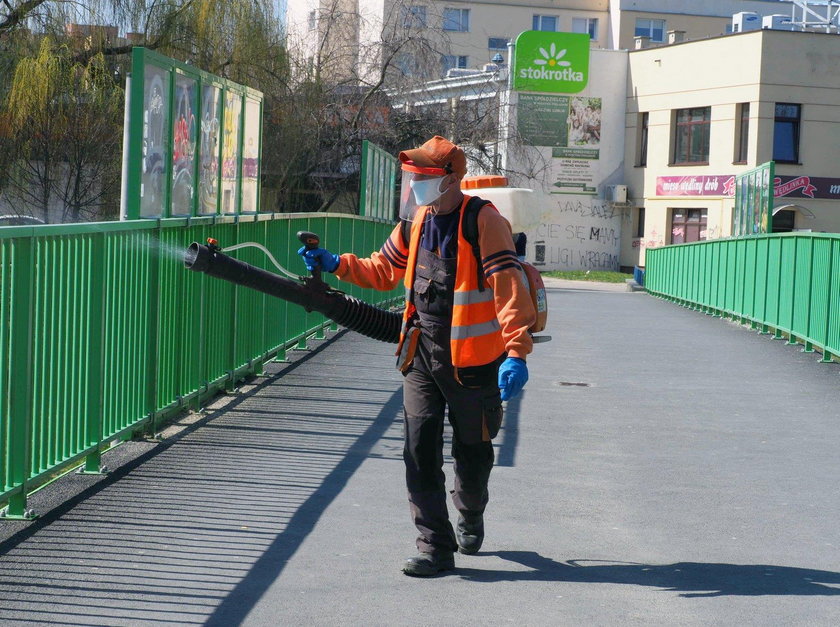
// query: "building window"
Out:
[450,61]
[655,29]
[545,22]
[643,138]
[414,16]
[786,133]
[313,20]
[743,133]
[688,225]
[498,43]
[640,224]
[691,140]
[456,20]
[585,25]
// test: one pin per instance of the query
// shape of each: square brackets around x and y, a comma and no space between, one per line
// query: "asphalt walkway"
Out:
[662,467]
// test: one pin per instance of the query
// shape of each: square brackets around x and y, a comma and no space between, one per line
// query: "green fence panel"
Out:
[761,278]
[833,320]
[787,279]
[803,281]
[784,283]
[378,182]
[104,332]
[748,310]
[820,296]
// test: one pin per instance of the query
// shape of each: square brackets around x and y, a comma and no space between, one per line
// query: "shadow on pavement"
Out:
[691,579]
[195,529]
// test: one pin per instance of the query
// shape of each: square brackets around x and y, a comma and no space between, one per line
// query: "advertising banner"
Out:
[551,62]
[753,213]
[571,126]
[724,185]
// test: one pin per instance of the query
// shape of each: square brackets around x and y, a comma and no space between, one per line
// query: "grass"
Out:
[588,275]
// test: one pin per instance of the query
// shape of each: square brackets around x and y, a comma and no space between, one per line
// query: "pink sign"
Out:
[700,185]
[724,185]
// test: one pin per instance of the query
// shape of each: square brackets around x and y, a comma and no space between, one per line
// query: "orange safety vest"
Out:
[475,334]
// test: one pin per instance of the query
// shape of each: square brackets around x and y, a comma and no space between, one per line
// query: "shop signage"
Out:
[724,185]
[551,62]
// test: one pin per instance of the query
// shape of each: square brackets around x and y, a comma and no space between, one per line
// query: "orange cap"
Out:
[488,180]
[438,152]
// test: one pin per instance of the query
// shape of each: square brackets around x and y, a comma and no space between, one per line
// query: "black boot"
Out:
[428,564]
[469,533]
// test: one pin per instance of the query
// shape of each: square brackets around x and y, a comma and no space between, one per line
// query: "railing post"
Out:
[152,360]
[19,407]
[791,336]
[832,272]
[809,346]
[95,347]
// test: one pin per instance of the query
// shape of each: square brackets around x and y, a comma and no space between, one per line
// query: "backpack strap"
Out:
[470,232]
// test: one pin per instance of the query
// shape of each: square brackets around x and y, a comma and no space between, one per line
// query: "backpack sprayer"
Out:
[311,292]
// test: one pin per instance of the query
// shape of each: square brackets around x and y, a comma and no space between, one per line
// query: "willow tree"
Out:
[66,119]
[61,92]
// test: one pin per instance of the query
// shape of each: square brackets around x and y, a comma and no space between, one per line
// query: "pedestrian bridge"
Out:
[661,467]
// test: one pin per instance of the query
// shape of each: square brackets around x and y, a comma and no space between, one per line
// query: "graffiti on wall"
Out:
[578,234]
[230,151]
[211,111]
[155,112]
[183,146]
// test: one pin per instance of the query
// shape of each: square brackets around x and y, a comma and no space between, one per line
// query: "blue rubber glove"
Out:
[319,258]
[513,375]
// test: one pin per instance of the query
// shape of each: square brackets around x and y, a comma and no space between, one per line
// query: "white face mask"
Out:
[428,191]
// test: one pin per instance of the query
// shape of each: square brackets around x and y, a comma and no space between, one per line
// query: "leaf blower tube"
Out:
[346,310]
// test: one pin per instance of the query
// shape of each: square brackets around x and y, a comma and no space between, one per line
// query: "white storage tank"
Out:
[517,204]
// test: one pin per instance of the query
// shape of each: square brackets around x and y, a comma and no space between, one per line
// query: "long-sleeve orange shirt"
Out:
[384,270]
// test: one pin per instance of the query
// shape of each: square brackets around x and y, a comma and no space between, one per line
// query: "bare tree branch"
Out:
[17,14]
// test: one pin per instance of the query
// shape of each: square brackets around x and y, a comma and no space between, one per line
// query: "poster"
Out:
[571,126]
[183,145]
[155,115]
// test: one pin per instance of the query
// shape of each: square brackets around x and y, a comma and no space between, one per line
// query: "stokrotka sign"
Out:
[551,62]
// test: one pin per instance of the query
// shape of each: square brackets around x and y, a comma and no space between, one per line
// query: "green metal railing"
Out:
[785,284]
[103,332]
[378,181]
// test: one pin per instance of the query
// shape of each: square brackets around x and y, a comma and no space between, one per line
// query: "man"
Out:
[463,345]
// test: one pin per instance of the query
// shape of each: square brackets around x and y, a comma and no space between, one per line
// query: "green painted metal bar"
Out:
[105,333]
[17,410]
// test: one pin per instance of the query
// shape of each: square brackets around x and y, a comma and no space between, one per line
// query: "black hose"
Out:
[347,311]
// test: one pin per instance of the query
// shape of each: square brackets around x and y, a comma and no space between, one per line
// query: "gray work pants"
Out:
[475,413]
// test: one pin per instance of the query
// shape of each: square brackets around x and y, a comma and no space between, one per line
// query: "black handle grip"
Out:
[311,241]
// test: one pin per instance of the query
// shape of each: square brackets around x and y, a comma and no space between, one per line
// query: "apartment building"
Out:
[696,119]
[356,37]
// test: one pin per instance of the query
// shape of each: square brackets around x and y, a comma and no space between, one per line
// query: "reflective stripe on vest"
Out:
[475,330]
[473,297]
[476,337]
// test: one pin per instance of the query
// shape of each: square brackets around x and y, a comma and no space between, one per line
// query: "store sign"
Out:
[700,185]
[724,185]
[551,62]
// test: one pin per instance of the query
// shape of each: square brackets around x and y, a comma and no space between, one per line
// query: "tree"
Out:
[66,119]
